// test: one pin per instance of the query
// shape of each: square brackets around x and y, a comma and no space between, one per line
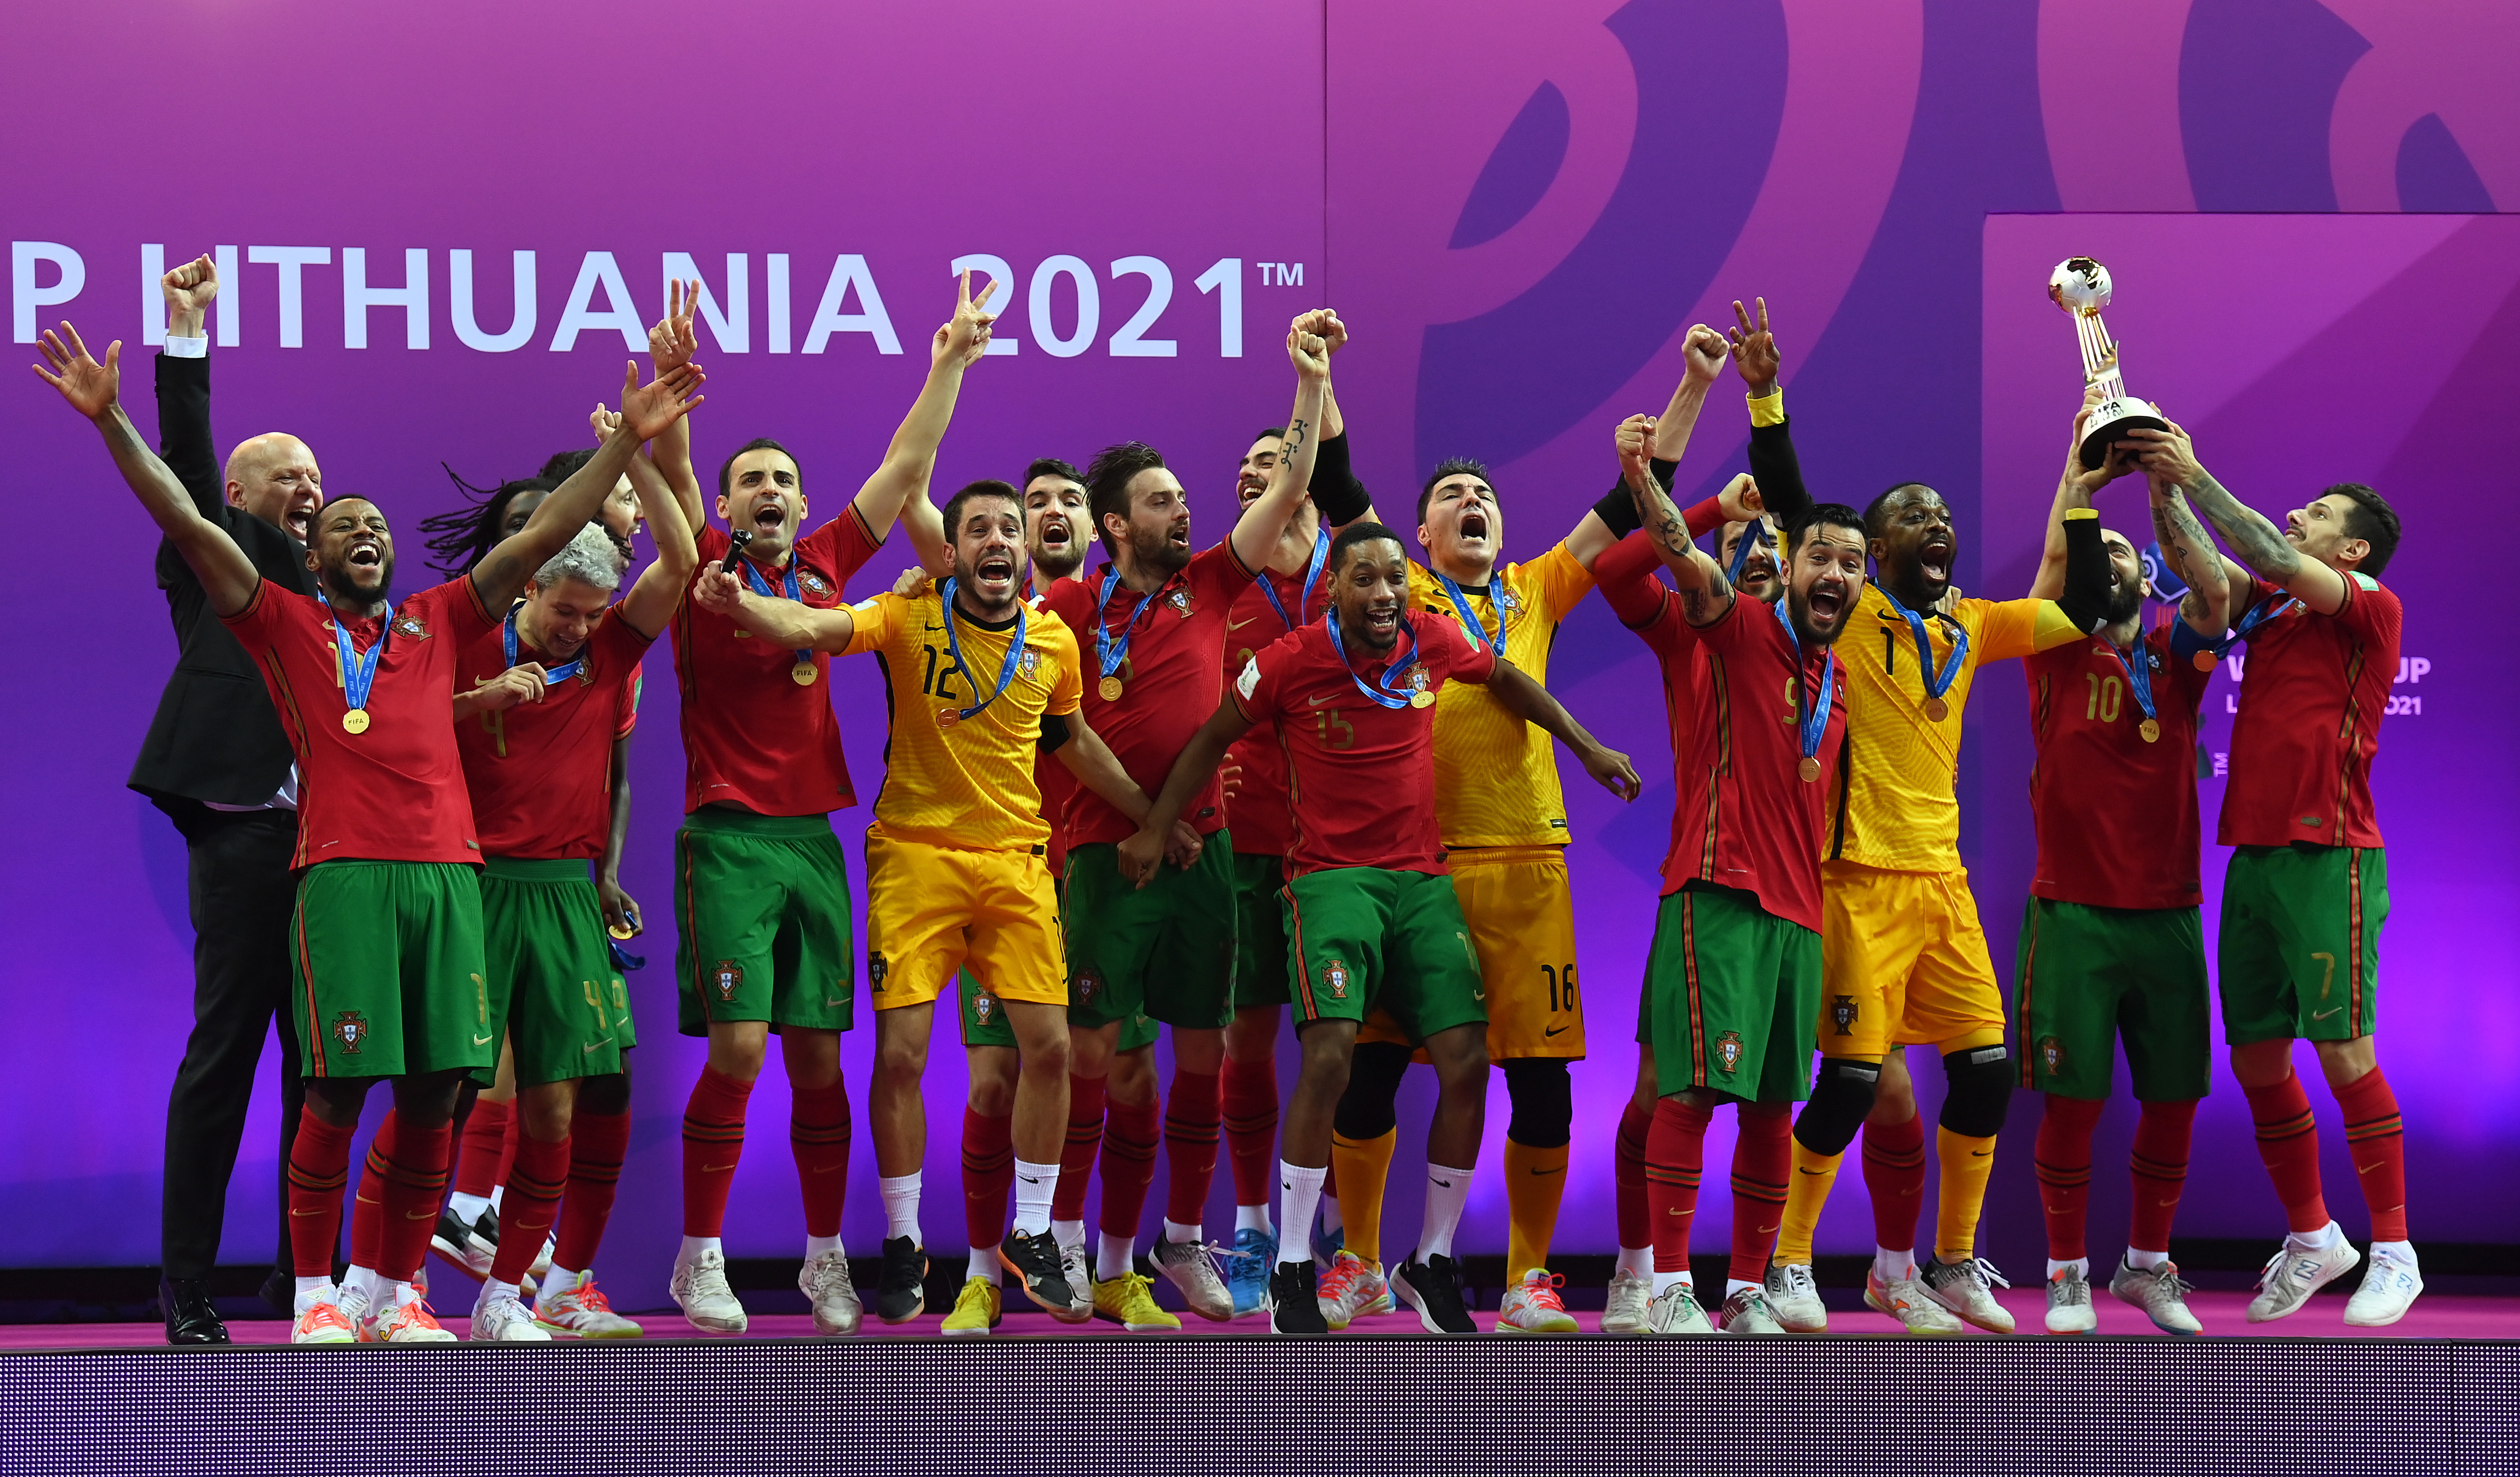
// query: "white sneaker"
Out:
[1967,1288]
[2390,1286]
[503,1320]
[1747,1313]
[1631,1295]
[824,1281]
[1079,1274]
[2069,1303]
[543,1259]
[2295,1272]
[2160,1292]
[1534,1306]
[708,1304]
[1677,1313]
[411,1323]
[1191,1267]
[1906,1299]
[583,1311]
[323,1323]
[1351,1290]
[1793,1296]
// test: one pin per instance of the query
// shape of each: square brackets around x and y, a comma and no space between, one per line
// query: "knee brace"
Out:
[1839,1099]
[1543,1095]
[1366,1110]
[1980,1090]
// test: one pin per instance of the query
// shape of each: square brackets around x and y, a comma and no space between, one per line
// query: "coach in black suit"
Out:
[218,765]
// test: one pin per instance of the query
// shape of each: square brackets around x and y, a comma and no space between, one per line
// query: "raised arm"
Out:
[2190,551]
[1256,532]
[1198,760]
[1775,466]
[2255,540]
[184,440]
[1336,493]
[1533,704]
[659,587]
[774,618]
[94,390]
[1614,517]
[901,483]
[1704,592]
[2074,489]
[645,411]
[671,343]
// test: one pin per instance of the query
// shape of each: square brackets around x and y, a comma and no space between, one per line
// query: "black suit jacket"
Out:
[215,737]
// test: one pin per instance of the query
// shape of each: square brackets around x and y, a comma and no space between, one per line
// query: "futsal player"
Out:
[1155,618]
[2112,945]
[1373,921]
[386,937]
[760,885]
[2307,889]
[1903,957]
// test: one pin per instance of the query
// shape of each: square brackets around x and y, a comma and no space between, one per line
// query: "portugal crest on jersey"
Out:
[350,1028]
[1507,601]
[411,626]
[727,977]
[1727,1053]
[1088,985]
[1334,975]
[877,967]
[1179,603]
[1029,665]
[983,1006]
[1841,1014]
[2052,1054]
[813,584]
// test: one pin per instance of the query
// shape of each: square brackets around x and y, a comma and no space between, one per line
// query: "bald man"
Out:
[216,762]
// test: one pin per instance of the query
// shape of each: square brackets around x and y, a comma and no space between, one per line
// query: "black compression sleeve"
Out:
[1778,472]
[1618,507]
[1341,498]
[2085,600]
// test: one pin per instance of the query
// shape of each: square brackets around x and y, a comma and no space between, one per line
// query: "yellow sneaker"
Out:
[1129,1300]
[976,1309]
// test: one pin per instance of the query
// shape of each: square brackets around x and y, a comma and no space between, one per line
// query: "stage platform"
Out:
[2437,1394]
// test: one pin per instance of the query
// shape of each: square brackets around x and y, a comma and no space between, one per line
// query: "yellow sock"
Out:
[1535,1181]
[1814,1174]
[1966,1163]
[1362,1165]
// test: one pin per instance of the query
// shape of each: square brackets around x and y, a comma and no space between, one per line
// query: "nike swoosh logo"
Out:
[1444,1184]
[294,1211]
[715,1169]
[593,1049]
[2365,1169]
[2165,1204]
[831,1003]
[420,1215]
[1231,624]
[1814,1173]
[1553,1030]
[1981,1154]
[2323,1014]
[1769,1231]
[1318,701]
[1559,1170]
[1029,1179]
[481,1040]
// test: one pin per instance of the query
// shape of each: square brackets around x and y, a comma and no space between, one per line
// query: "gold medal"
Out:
[1936,710]
[2150,729]
[1110,690]
[1808,769]
[801,674]
[622,932]
[2205,661]
[946,718]
[1421,699]
[355,720]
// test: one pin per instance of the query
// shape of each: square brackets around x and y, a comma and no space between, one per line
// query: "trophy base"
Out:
[2110,420]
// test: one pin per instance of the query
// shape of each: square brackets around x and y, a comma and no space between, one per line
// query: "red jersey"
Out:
[1263,826]
[541,773]
[1625,573]
[1056,780]
[395,791]
[2115,817]
[1171,680]
[1361,775]
[2315,688]
[752,735]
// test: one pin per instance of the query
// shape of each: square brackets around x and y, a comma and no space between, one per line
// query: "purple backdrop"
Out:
[1517,205]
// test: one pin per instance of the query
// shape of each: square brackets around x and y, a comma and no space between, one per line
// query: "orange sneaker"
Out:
[409,1322]
[323,1323]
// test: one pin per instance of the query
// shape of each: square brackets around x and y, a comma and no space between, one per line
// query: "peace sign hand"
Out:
[965,335]
[1754,349]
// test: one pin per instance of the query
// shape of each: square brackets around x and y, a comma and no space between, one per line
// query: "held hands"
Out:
[90,387]
[1145,850]
[649,408]
[1704,350]
[1754,349]
[1613,769]
[2169,457]
[526,681]
[1634,442]
[2120,460]
[188,291]
[620,909]
[965,337]
[1741,500]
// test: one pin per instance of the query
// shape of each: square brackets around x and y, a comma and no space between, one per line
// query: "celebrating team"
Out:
[1110,814]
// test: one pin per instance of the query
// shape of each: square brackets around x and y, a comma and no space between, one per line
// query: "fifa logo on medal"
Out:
[2052,1054]
[1841,1014]
[1727,1053]
[728,976]
[1334,975]
[350,1029]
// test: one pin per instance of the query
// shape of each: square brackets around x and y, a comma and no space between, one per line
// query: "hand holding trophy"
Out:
[2080,287]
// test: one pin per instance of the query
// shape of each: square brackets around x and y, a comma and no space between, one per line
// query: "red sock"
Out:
[2288,1142]
[1192,1110]
[1763,1160]
[1635,1214]
[2377,1141]
[1129,1144]
[1248,1103]
[477,1157]
[2159,1169]
[415,1189]
[368,1206]
[1084,1141]
[817,1130]
[508,1145]
[598,1143]
[712,1143]
[319,1166]
[988,1173]
[2062,1160]
[1894,1174]
[531,1207]
[1675,1159]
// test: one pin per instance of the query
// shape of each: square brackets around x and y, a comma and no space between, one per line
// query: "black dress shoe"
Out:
[279,1292]
[190,1318]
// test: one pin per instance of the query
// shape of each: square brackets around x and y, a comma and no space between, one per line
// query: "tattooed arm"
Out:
[1704,592]
[2192,557]
[1256,533]
[2257,543]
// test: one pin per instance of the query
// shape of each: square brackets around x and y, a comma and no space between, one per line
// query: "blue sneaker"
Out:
[1327,1244]
[1255,1252]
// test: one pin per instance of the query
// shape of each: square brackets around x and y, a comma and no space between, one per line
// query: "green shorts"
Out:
[1259,932]
[551,976]
[1164,949]
[1362,937]
[2085,978]
[2300,951]
[764,906]
[1731,998]
[384,965]
[985,1025]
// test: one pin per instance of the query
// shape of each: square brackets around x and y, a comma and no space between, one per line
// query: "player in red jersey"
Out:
[2308,886]
[1153,620]
[2113,948]
[1371,915]
[760,882]
[386,940]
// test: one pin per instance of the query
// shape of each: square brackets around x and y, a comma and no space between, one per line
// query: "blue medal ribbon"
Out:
[1384,696]
[2257,615]
[1268,587]
[1936,684]
[359,673]
[1470,618]
[1756,533]
[954,644]
[507,642]
[761,587]
[1810,719]
[1109,653]
[2139,673]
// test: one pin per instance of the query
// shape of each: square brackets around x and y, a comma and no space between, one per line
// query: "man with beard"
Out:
[1903,957]
[975,685]
[2307,891]
[1372,919]
[386,938]
[1154,619]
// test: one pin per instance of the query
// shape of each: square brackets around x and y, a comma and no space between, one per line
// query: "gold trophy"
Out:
[2080,287]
